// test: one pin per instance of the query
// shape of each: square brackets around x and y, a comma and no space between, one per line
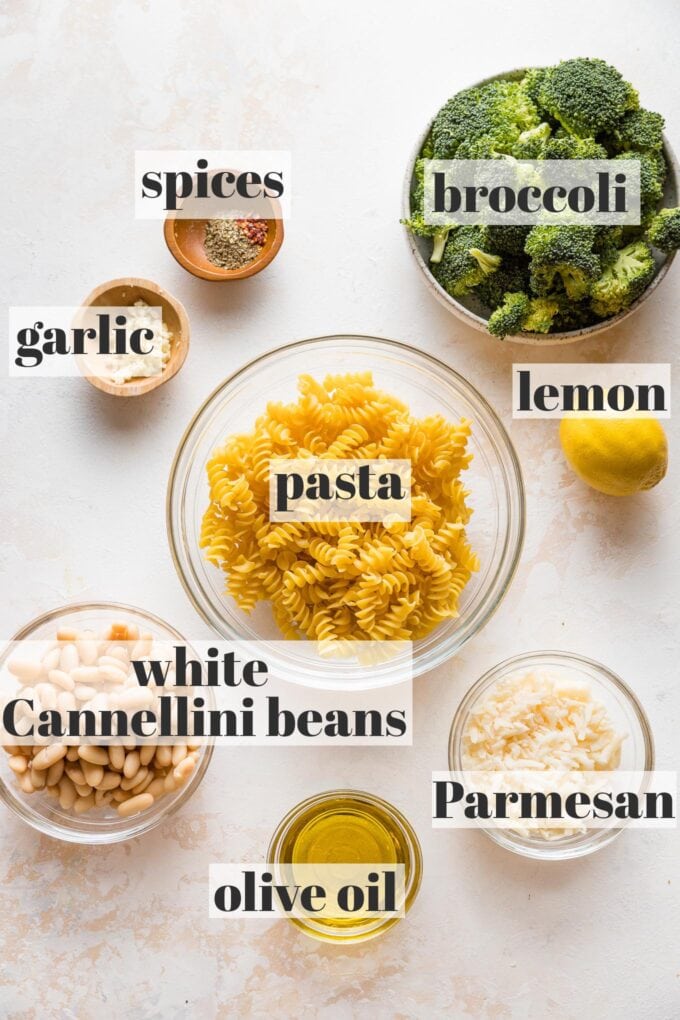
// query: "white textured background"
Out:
[346,86]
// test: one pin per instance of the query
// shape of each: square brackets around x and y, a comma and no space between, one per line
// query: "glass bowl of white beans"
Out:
[91,794]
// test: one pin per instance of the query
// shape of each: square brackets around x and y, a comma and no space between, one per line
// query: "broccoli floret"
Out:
[563,255]
[608,240]
[500,109]
[573,315]
[586,95]
[508,240]
[520,313]
[465,261]
[569,147]
[624,280]
[508,317]
[664,230]
[531,84]
[531,143]
[652,175]
[541,315]
[416,222]
[484,147]
[640,130]
[653,171]
[512,275]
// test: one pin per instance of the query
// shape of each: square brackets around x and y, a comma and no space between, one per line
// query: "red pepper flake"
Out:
[255,230]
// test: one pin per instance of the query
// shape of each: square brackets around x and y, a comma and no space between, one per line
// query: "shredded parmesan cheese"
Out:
[533,722]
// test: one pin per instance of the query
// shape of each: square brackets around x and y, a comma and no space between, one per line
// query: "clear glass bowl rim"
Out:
[545,849]
[497,434]
[138,825]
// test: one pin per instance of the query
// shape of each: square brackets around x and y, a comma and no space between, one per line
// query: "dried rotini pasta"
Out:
[344,581]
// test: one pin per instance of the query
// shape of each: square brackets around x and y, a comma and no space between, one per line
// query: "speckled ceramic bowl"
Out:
[471,310]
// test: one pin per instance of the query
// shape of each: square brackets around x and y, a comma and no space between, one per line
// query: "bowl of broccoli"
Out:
[547,284]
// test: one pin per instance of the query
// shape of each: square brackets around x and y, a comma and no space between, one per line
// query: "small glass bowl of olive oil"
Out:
[346,828]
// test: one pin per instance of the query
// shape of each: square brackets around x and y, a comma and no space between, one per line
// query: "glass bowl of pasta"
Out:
[397,594]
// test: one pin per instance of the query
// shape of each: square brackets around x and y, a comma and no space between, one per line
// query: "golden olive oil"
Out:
[348,827]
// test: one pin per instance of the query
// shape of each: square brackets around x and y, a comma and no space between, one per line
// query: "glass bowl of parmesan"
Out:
[555,729]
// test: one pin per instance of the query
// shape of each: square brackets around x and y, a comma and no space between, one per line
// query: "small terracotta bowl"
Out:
[185,239]
[126,292]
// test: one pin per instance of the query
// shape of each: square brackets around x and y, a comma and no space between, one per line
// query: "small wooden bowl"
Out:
[185,239]
[125,292]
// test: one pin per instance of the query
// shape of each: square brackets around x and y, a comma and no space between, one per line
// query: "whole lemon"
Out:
[618,456]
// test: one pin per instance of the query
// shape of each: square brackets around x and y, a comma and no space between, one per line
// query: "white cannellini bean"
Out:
[47,695]
[67,793]
[51,660]
[131,766]
[114,674]
[85,675]
[93,754]
[47,756]
[138,698]
[55,772]
[61,679]
[93,773]
[87,650]
[117,651]
[18,764]
[84,803]
[117,757]
[84,693]
[135,805]
[26,670]
[69,658]
[66,702]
